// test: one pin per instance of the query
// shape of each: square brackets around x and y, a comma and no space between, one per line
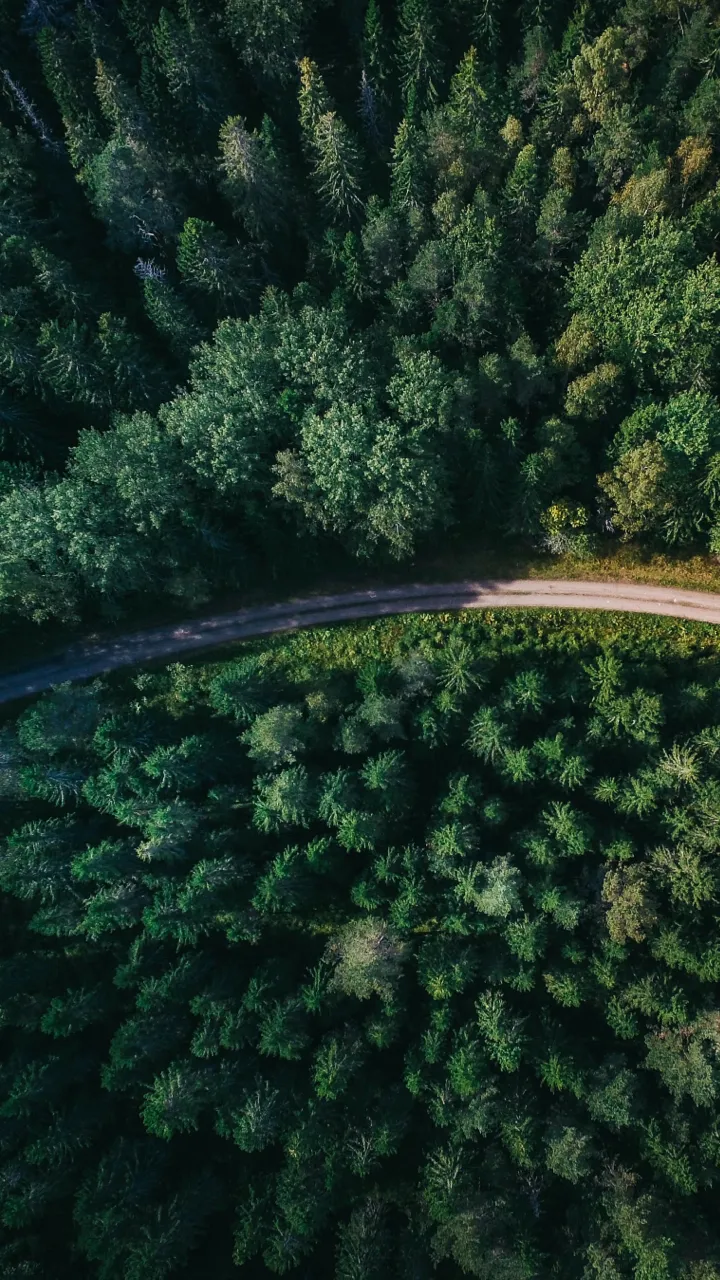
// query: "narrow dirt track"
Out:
[90,659]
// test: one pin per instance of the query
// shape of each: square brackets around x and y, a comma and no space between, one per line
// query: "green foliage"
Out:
[267,35]
[255,176]
[367,959]
[664,476]
[361,954]
[419,53]
[213,267]
[435,268]
[171,316]
[424,999]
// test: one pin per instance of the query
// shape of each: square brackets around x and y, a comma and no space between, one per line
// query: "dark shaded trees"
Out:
[399,931]
[528,199]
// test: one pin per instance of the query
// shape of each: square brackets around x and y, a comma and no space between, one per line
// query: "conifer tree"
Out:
[337,167]
[420,55]
[376,91]
[121,107]
[214,267]
[67,66]
[137,19]
[461,133]
[171,316]
[255,180]
[409,176]
[521,194]
[16,184]
[267,34]
[330,145]
[192,64]
[314,100]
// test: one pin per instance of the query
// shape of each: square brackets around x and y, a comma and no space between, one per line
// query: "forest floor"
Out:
[95,656]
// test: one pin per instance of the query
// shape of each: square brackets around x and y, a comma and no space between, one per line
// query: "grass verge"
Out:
[464,559]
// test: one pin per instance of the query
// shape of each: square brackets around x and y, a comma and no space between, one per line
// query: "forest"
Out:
[282,280]
[387,951]
[377,953]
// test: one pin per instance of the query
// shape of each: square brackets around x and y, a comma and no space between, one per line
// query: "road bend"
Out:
[91,658]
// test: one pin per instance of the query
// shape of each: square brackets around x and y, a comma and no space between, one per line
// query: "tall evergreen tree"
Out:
[420,54]
[214,267]
[255,176]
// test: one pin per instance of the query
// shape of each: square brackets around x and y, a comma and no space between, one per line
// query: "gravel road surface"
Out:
[88,658]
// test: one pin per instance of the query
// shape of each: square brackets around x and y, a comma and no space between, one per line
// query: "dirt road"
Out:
[90,659]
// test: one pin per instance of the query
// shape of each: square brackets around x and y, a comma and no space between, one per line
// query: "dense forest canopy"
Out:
[278,276]
[376,954]
[387,952]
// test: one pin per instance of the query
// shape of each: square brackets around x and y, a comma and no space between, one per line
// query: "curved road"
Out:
[90,659]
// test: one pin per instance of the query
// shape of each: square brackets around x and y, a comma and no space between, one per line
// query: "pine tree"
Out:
[135,379]
[376,78]
[72,366]
[284,799]
[67,66]
[137,19]
[486,25]
[17,185]
[121,107]
[337,167]
[420,55]
[468,98]
[409,178]
[138,204]
[171,316]
[277,736]
[256,179]
[365,1242]
[462,136]
[213,267]
[376,49]
[192,64]
[314,100]
[268,35]
[521,194]
[330,146]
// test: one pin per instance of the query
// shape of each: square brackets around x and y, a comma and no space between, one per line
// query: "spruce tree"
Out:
[255,179]
[376,90]
[337,167]
[419,54]
[409,176]
[213,267]
[171,316]
[314,100]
